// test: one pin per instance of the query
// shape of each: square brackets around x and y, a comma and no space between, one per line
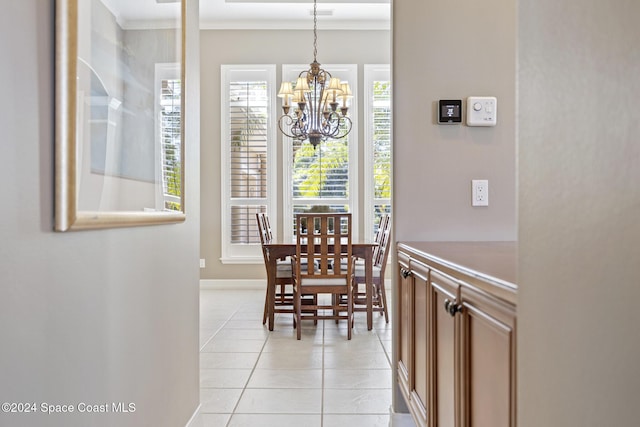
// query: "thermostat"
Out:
[450,111]
[482,111]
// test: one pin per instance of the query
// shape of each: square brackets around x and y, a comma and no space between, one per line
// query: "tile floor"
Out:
[252,377]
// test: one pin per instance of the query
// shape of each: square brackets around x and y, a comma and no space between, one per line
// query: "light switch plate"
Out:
[482,111]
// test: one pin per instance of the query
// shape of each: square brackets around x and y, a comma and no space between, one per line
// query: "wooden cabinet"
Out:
[456,355]
[405,297]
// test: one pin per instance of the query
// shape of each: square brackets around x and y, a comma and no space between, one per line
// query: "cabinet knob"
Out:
[452,308]
[405,273]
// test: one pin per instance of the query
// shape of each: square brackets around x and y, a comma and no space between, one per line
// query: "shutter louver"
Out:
[381,149]
[248,121]
[170,134]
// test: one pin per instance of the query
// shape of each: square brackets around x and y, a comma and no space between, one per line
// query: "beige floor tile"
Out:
[357,401]
[220,345]
[362,360]
[224,378]
[228,360]
[357,378]
[218,400]
[369,344]
[309,332]
[301,359]
[291,344]
[244,324]
[243,334]
[251,376]
[355,420]
[248,315]
[280,401]
[286,378]
[213,420]
[274,420]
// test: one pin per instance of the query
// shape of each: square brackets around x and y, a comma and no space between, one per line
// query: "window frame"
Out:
[246,253]
[372,73]
[164,71]
[346,72]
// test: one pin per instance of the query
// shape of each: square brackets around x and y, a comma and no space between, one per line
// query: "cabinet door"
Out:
[404,317]
[421,347]
[446,357]
[488,360]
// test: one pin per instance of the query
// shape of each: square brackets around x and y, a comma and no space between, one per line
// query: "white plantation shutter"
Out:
[377,145]
[170,140]
[320,179]
[247,145]
[168,108]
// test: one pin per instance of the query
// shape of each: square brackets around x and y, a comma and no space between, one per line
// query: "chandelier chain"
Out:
[315,97]
[315,27]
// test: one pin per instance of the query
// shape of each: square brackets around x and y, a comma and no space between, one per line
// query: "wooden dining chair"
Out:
[380,258]
[283,297]
[324,240]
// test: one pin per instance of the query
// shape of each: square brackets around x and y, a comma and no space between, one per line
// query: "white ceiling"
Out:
[258,14]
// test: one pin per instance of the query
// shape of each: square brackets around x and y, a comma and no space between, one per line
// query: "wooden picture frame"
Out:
[119,114]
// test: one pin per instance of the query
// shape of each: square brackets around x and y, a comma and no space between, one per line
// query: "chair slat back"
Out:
[323,239]
[264,229]
[383,226]
[382,254]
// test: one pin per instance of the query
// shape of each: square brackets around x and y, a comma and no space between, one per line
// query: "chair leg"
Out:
[384,300]
[266,305]
[349,314]
[298,308]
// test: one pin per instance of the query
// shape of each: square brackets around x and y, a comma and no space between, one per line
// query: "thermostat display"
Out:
[450,111]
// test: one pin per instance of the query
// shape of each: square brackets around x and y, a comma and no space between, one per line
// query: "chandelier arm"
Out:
[288,121]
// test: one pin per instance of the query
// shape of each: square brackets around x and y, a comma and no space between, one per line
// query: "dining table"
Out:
[362,249]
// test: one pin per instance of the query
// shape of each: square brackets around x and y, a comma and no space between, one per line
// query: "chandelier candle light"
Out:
[317,96]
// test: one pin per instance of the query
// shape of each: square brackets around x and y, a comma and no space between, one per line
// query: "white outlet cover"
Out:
[480,192]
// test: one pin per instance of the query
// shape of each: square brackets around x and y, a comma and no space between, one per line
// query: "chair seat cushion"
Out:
[284,270]
[323,282]
[359,271]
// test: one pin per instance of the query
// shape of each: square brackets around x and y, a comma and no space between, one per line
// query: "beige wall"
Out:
[263,47]
[579,205]
[451,50]
[88,316]
[578,171]
[445,50]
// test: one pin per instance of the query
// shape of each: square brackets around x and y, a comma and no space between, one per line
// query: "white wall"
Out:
[579,205]
[90,316]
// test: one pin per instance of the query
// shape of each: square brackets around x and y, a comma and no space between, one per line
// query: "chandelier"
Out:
[316,94]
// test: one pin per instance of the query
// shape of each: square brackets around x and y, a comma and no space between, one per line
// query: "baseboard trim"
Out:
[232,284]
[400,419]
[193,421]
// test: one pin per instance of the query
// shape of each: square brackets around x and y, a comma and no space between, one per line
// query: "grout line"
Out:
[233,411]
[218,330]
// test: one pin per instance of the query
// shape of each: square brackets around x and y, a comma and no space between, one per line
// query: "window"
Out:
[248,167]
[322,179]
[377,147]
[169,104]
